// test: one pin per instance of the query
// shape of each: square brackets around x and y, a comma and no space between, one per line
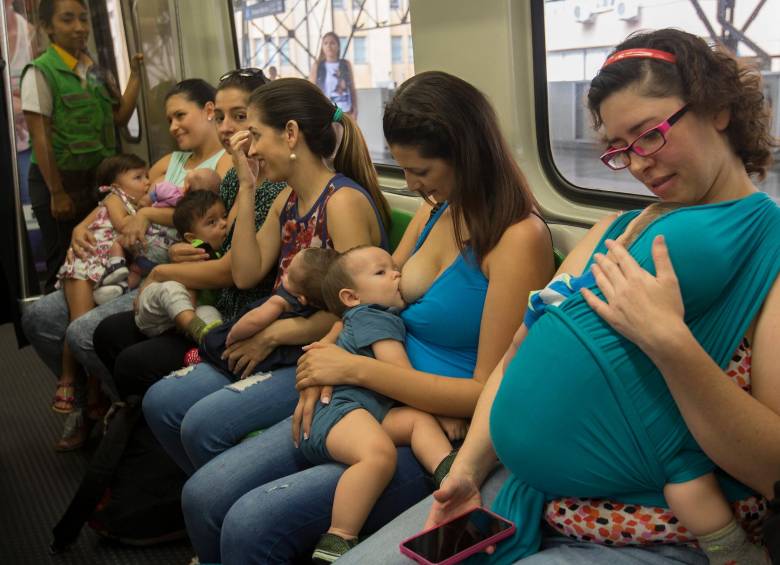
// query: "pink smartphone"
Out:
[457,539]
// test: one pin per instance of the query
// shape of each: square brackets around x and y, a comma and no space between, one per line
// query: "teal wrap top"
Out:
[583,412]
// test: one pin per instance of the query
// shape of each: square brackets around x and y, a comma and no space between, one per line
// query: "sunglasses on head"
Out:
[250,72]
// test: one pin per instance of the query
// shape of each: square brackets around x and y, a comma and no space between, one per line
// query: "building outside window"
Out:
[360,50]
[397,49]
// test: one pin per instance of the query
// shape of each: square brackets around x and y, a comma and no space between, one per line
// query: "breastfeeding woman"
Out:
[671,364]
[189,108]
[137,361]
[295,135]
[467,266]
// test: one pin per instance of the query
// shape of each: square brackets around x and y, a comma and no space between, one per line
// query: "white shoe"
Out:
[115,274]
[107,293]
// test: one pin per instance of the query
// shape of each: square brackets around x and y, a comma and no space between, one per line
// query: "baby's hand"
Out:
[231,337]
[455,428]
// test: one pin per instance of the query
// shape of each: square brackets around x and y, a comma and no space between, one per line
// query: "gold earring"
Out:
[293,156]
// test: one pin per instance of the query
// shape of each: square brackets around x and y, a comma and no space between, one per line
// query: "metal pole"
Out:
[9,109]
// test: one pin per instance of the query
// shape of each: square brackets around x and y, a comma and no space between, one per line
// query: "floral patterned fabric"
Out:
[93,267]
[300,232]
[616,524]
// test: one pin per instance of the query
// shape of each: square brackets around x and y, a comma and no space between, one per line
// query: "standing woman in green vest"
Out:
[71,111]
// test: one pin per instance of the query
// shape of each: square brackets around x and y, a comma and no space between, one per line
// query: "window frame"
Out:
[382,169]
[569,190]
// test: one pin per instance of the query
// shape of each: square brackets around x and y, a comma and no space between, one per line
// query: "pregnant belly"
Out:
[557,424]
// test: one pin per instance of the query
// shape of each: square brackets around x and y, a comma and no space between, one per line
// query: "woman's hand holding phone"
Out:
[458,538]
[458,494]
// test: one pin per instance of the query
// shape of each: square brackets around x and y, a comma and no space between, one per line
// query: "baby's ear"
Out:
[189,236]
[349,297]
[302,299]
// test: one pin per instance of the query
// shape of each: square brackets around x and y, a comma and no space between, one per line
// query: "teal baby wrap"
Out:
[583,412]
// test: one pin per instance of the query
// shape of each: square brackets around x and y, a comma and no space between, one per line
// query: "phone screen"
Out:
[453,537]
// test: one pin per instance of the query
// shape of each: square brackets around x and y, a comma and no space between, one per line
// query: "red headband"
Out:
[640,54]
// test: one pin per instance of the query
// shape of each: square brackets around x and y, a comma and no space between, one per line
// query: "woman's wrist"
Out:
[472,473]
[356,373]
[271,336]
[155,275]
[668,344]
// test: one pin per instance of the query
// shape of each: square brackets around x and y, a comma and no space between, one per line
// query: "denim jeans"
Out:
[263,502]
[382,547]
[196,413]
[45,323]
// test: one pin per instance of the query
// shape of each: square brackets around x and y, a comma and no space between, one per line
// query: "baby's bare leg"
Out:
[699,504]
[116,250]
[359,441]
[701,507]
[420,430]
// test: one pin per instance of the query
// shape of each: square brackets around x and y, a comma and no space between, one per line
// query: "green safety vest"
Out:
[82,120]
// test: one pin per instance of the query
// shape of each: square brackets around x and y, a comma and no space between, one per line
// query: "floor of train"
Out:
[37,483]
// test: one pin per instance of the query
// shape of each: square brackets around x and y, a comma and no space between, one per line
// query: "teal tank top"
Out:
[583,412]
[442,327]
[176,171]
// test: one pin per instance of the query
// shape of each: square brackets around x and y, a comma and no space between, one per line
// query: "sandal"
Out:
[64,398]
[74,434]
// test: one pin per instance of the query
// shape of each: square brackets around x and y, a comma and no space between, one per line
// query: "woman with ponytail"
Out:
[297,136]
[262,501]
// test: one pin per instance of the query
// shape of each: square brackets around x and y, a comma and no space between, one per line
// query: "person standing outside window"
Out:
[334,75]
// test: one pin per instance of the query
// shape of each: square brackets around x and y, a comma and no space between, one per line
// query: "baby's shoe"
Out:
[331,547]
[115,272]
[103,294]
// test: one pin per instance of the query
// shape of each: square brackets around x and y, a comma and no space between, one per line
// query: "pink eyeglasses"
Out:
[646,144]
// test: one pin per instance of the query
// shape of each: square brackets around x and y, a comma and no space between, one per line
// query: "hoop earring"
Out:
[293,156]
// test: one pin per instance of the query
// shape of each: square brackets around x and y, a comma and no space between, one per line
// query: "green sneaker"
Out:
[331,547]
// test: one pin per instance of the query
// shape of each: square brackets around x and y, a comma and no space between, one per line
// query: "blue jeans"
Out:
[263,502]
[382,547]
[47,327]
[196,414]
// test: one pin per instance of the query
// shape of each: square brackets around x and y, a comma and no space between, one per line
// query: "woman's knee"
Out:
[46,318]
[201,432]
[157,401]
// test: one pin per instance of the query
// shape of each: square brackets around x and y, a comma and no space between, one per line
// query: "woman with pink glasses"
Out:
[654,363]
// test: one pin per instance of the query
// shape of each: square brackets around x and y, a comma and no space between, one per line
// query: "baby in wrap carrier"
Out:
[699,503]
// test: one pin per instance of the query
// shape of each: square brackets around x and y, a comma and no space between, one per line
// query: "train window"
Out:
[578,34]
[122,61]
[374,56]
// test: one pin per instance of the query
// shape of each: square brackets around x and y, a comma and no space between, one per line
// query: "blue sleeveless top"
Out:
[442,334]
[583,412]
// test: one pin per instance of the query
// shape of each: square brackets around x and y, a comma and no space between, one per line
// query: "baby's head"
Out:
[200,214]
[201,179]
[362,275]
[306,272]
[126,171]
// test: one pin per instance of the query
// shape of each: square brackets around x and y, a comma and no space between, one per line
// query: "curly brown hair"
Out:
[708,79]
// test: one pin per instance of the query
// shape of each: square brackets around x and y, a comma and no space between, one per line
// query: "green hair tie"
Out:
[337,114]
